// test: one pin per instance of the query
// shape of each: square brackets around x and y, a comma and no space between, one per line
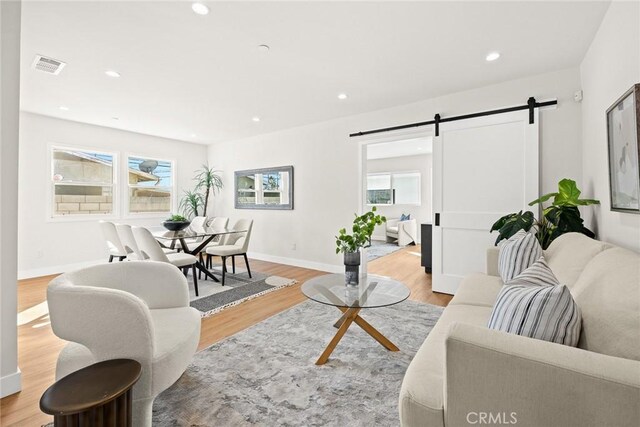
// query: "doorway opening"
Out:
[397,177]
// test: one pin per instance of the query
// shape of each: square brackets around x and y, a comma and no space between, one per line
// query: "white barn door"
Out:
[483,168]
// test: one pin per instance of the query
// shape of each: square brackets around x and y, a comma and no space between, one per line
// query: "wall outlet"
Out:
[293,247]
[39,254]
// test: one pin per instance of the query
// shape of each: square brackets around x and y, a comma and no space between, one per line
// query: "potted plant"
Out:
[207,180]
[350,244]
[176,223]
[191,203]
[561,217]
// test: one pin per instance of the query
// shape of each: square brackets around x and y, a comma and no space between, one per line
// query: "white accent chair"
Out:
[135,310]
[114,245]
[235,244]
[405,232]
[151,249]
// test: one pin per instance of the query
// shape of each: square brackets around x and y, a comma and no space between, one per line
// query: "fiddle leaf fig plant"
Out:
[361,230]
[561,217]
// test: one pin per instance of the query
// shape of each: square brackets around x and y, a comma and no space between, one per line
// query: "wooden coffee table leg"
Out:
[342,318]
[368,329]
[375,334]
[350,315]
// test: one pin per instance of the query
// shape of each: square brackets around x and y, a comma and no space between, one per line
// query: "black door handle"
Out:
[437,219]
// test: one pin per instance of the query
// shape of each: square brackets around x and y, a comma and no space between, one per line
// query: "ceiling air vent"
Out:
[47,65]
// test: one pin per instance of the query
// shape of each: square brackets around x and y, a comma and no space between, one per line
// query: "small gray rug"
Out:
[379,249]
[213,297]
[266,375]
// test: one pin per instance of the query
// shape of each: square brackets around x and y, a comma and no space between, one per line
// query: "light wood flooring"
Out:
[38,347]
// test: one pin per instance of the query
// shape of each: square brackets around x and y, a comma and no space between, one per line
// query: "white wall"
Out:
[47,247]
[328,163]
[420,163]
[9,115]
[610,67]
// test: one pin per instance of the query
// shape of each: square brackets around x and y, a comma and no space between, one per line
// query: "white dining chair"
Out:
[130,244]
[217,223]
[198,224]
[114,245]
[150,249]
[235,244]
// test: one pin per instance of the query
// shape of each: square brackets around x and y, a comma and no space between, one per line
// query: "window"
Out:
[379,189]
[150,185]
[401,188]
[83,182]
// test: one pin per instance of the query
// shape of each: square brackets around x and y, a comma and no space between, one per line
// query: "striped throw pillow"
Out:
[517,254]
[535,305]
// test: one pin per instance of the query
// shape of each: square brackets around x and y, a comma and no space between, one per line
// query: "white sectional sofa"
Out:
[465,373]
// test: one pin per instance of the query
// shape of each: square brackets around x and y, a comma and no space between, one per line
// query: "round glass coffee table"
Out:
[372,292]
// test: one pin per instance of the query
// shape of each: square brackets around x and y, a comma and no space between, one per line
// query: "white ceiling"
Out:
[406,147]
[185,74]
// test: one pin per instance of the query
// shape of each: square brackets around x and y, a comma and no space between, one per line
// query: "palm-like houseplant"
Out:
[209,182]
[561,217]
[191,203]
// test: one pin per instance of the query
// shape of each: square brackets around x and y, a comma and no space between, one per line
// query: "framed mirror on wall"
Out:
[623,129]
[267,188]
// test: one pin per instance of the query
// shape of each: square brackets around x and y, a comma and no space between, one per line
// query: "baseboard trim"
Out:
[329,268]
[56,269]
[10,384]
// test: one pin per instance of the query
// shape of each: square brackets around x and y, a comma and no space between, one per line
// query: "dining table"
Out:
[197,237]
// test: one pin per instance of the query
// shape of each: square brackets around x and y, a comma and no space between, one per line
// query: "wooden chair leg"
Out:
[195,278]
[233,263]
[110,258]
[224,268]
[246,261]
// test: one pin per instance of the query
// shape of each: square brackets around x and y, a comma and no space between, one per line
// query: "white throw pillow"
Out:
[517,253]
[535,305]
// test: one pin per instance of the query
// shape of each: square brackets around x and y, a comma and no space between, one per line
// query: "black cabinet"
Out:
[425,242]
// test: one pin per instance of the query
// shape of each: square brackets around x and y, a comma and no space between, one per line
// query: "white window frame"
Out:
[125,193]
[392,174]
[50,211]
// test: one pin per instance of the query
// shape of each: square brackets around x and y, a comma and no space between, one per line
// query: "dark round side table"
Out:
[98,395]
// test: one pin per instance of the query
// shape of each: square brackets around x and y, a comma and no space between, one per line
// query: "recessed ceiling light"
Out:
[419,148]
[115,118]
[256,119]
[193,135]
[263,48]
[492,56]
[342,96]
[200,8]
[63,108]
[112,73]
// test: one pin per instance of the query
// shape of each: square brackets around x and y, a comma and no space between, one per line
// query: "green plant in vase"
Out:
[360,237]
[562,216]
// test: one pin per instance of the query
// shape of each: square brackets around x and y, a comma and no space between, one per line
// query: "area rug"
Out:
[266,375]
[239,287]
[380,248]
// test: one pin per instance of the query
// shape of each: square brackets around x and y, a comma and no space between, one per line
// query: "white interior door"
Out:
[483,168]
